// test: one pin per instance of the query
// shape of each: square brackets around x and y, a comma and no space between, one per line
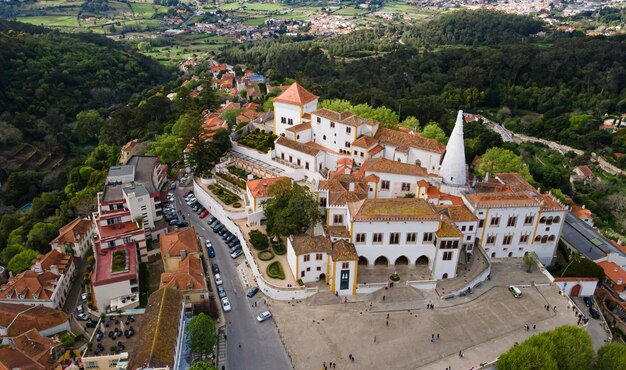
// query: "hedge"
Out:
[265,255]
[275,270]
[258,239]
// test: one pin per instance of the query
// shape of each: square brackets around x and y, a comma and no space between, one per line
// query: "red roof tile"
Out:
[296,94]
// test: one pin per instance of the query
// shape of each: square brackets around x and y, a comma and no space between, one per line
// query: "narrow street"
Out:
[250,344]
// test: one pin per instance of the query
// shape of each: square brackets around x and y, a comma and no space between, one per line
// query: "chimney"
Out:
[183,253]
[584,206]
[351,186]
[37,268]
[54,269]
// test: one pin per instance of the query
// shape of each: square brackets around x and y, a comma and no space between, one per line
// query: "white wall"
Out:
[336,279]
[286,111]
[428,160]
[334,138]
[105,293]
[292,156]
[448,267]
[587,288]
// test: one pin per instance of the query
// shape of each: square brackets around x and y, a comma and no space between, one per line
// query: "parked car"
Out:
[264,316]
[230,237]
[517,293]
[215,268]
[233,242]
[211,220]
[204,214]
[173,186]
[221,292]
[173,222]
[594,313]
[80,309]
[208,243]
[190,192]
[236,253]
[252,292]
[217,228]
[588,301]
[83,297]
[234,248]
[82,316]
[226,304]
[222,231]
[218,279]
[90,323]
[211,252]
[182,224]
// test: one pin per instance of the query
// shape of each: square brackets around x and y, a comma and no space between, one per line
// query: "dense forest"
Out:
[430,70]
[55,90]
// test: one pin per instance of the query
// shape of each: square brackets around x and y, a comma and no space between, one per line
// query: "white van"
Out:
[517,293]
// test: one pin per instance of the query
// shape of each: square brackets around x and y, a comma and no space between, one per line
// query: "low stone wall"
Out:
[272,291]
[423,284]
[477,280]
[370,288]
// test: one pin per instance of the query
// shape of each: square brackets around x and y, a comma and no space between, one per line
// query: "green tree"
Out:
[611,356]
[88,125]
[499,160]
[230,116]
[575,257]
[202,334]
[523,357]
[411,123]
[433,131]
[188,127]
[167,147]
[258,240]
[22,261]
[530,259]
[204,155]
[291,210]
[144,46]
[337,105]
[40,235]
[202,365]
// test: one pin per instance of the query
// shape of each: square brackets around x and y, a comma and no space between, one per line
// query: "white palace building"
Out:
[392,197]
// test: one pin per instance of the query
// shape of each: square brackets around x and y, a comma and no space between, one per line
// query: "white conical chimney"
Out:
[453,168]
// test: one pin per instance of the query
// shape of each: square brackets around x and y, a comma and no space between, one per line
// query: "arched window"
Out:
[542,220]
[556,220]
[551,238]
[544,239]
[537,238]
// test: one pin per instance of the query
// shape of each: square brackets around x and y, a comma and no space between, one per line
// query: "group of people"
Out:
[527,327]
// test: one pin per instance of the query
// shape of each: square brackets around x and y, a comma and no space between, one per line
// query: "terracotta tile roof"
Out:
[190,276]
[229,106]
[345,117]
[550,203]
[585,170]
[338,231]
[503,200]
[31,285]
[157,345]
[377,149]
[73,232]
[575,279]
[451,198]
[20,318]
[383,165]
[173,243]
[13,359]
[394,209]
[338,187]
[581,212]
[36,347]
[296,94]
[457,213]
[252,106]
[260,188]
[516,182]
[432,192]
[300,147]
[303,244]
[300,127]
[130,145]
[365,142]
[423,183]
[52,258]
[343,250]
[618,246]
[345,161]
[372,178]
[403,141]
[447,229]
[613,271]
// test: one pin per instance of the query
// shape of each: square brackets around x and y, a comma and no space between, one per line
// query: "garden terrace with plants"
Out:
[226,196]
[258,239]
[118,262]
[275,270]
[259,140]
[242,174]
[233,180]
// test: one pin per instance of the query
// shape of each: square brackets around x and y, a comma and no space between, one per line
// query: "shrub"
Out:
[394,277]
[258,239]
[265,255]
[236,204]
[275,270]
[300,282]
[279,249]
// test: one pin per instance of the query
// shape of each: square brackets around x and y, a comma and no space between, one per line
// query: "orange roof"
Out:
[392,209]
[190,276]
[516,182]
[581,212]
[377,149]
[307,148]
[130,145]
[619,246]
[31,285]
[447,229]
[458,213]
[451,198]
[423,183]
[20,318]
[505,199]
[73,232]
[384,165]
[346,117]
[260,188]
[365,142]
[403,141]
[432,192]
[575,279]
[613,271]
[345,161]
[14,359]
[550,203]
[586,171]
[300,127]
[372,178]
[173,243]
[36,347]
[296,94]
[229,106]
[338,188]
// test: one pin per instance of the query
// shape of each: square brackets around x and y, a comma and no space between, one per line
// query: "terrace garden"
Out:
[275,270]
[118,261]
[259,140]
[226,196]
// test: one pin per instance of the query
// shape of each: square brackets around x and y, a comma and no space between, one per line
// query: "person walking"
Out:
[437,336]
[534,326]
[432,338]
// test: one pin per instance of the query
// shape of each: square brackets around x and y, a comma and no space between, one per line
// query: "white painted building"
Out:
[76,236]
[577,286]
[291,106]
[257,191]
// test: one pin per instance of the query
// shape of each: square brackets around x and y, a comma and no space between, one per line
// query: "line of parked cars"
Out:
[233,243]
[170,214]
[220,288]
[191,200]
[592,310]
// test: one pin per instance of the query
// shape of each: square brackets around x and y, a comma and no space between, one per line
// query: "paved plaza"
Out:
[483,325]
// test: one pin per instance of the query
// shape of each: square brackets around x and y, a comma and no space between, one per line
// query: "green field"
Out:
[51,20]
[143,10]
[351,11]
[254,21]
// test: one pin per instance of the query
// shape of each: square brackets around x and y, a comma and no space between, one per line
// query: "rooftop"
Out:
[338,188]
[20,318]
[14,359]
[393,209]
[260,188]
[365,142]
[614,272]
[112,193]
[300,147]
[303,244]
[516,182]
[343,250]
[300,127]
[107,272]
[447,229]
[190,276]
[458,213]
[296,94]
[144,165]
[36,346]
[73,232]
[119,228]
[116,171]
[138,189]
[405,140]
[503,200]
[157,345]
[345,117]
[30,285]
[172,244]
[384,165]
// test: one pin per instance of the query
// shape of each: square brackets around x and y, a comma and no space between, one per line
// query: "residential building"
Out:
[40,349]
[76,236]
[291,106]
[515,219]
[128,150]
[257,192]
[46,283]
[17,319]
[583,213]
[614,266]
[177,245]
[577,286]
[160,344]
[116,275]
[582,173]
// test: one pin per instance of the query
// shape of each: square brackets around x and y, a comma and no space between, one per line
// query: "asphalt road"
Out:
[250,345]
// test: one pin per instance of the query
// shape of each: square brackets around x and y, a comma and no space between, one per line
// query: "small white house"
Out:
[577,286]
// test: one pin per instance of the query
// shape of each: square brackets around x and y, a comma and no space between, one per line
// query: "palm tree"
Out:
[574,257]
[529,260]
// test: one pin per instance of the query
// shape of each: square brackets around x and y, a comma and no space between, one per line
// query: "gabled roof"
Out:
[343,250]
[383,165]
[52,258]
[447,229]
[365,142]
[613,271]
[260,188]
[190,276]
[14,359]
[516,182]
[20,318]
[457,213]
[73,232]
[345,117]
[297,146]
[585,170]
[31,285]
[156,347]
[36,346]
[173,243]
[405,140]
[393,209]
[338,187]
[504,199]
[297,95]
[300,127]
[303,244]
[581,212]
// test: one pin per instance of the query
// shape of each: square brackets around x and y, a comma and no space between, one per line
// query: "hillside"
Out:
[47,80]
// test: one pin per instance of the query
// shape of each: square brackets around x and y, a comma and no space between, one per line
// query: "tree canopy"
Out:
[433,131]
[202,334]
[291,210]
[202,365]
[499,160]
[611,356]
